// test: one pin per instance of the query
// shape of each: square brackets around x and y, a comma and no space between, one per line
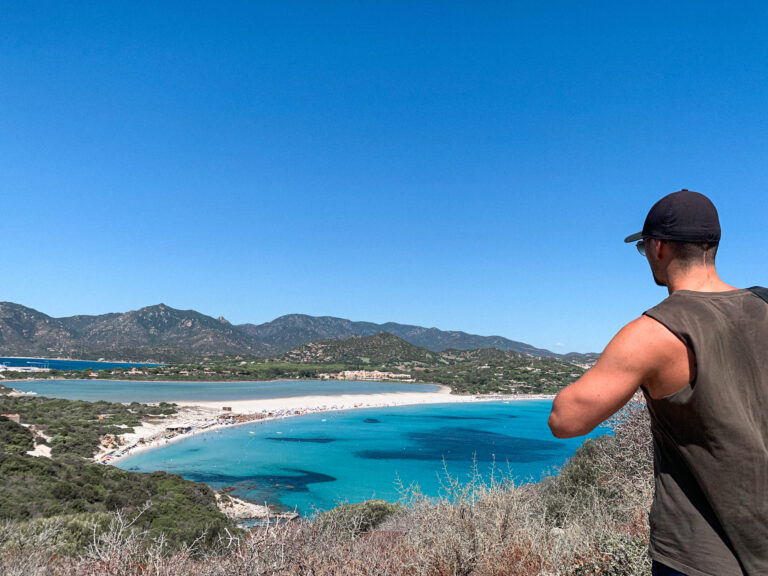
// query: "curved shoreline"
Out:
[208,416]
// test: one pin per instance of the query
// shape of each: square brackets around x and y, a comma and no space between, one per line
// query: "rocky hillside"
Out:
[162,325]
[27,332]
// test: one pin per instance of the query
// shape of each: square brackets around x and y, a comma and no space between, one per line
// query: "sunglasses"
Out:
[641,247]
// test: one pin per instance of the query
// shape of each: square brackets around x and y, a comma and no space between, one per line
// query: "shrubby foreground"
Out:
[589,519]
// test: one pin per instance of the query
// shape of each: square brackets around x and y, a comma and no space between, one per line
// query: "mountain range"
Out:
[152,331]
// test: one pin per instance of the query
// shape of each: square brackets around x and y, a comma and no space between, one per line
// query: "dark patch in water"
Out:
[262,483]
[294,483]
[215,479]
[461,444]
[372,421]
[265,487]
[194,449]
[271,487]
[300,440]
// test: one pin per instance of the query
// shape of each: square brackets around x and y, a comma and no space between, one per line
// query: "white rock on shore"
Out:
[238,509]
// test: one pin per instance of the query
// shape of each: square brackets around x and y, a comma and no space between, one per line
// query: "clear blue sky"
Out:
[469,166]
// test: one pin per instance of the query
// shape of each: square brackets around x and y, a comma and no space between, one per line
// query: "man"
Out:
[701,360]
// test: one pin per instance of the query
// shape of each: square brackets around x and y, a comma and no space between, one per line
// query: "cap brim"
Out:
[634,237]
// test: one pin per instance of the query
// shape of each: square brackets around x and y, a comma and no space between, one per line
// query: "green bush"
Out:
[71,533]
[36,488]
[14,438]
[354,519]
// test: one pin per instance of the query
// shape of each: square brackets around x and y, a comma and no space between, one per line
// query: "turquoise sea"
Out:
[186,392]
[320,460]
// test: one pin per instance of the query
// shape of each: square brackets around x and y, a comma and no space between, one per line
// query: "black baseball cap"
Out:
[683,216]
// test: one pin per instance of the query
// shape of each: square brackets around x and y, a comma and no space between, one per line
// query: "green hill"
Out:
[380,349]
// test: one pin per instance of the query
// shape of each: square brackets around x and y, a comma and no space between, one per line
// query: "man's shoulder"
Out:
[645,343]
[647,347]
[644,329]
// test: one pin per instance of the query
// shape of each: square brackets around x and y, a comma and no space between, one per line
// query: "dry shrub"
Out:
[24,553]
[305,548]
[625,463]
[482,527]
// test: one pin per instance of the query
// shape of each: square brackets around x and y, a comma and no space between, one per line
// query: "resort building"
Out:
[372,375]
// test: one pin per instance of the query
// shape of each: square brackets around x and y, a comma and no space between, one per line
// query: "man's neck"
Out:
[697,279]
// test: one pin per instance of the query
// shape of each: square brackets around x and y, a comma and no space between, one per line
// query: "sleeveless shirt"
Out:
[710,511]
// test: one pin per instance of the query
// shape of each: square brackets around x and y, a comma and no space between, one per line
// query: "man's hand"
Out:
[644,352]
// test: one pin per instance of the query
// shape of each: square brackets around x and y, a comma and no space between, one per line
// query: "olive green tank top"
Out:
[710,511]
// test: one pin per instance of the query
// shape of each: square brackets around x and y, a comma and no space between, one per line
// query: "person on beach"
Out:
[701,359]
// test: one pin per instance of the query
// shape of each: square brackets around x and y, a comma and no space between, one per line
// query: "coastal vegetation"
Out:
[75,427]
[73,496]
[15,439]
[587,520]
[65,489]
[494,371]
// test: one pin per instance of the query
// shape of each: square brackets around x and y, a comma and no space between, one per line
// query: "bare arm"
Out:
[631,359]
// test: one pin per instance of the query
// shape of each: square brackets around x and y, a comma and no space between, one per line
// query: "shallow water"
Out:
[320,460]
